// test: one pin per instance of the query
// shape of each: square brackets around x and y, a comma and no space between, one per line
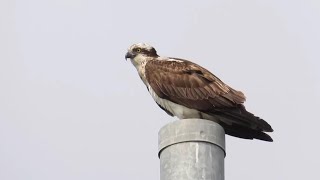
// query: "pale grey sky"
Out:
[71,107]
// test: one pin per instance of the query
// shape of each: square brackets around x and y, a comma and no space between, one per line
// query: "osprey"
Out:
[186,90]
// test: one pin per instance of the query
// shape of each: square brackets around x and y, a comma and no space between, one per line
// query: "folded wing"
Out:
[192,86]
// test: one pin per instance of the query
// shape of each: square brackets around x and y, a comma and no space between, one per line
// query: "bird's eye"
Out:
[138,50]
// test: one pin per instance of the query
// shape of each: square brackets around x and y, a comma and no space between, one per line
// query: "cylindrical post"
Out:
[192,149]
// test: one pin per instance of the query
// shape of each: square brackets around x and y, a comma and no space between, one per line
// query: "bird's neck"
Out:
[139,62]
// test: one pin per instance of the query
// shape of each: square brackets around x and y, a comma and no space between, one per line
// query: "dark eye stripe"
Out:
[151,52]
[144,51]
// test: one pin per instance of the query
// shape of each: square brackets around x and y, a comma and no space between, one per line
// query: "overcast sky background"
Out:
[71,107]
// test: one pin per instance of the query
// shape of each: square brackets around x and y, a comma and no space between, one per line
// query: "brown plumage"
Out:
[190,85]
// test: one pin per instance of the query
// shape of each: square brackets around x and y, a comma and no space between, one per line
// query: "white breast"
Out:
[177,110]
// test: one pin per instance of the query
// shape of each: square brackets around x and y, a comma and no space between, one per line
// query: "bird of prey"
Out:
[186,90]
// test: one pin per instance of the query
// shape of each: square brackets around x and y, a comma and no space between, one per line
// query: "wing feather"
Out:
[192,86]
[184,81]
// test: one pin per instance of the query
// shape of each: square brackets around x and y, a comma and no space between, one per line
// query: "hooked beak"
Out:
[129,55]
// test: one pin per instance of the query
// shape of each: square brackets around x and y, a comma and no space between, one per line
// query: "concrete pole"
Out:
[192,149]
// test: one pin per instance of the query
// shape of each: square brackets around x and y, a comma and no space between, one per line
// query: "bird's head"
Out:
[141,50]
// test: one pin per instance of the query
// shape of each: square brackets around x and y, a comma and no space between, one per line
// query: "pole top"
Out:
[195,130]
